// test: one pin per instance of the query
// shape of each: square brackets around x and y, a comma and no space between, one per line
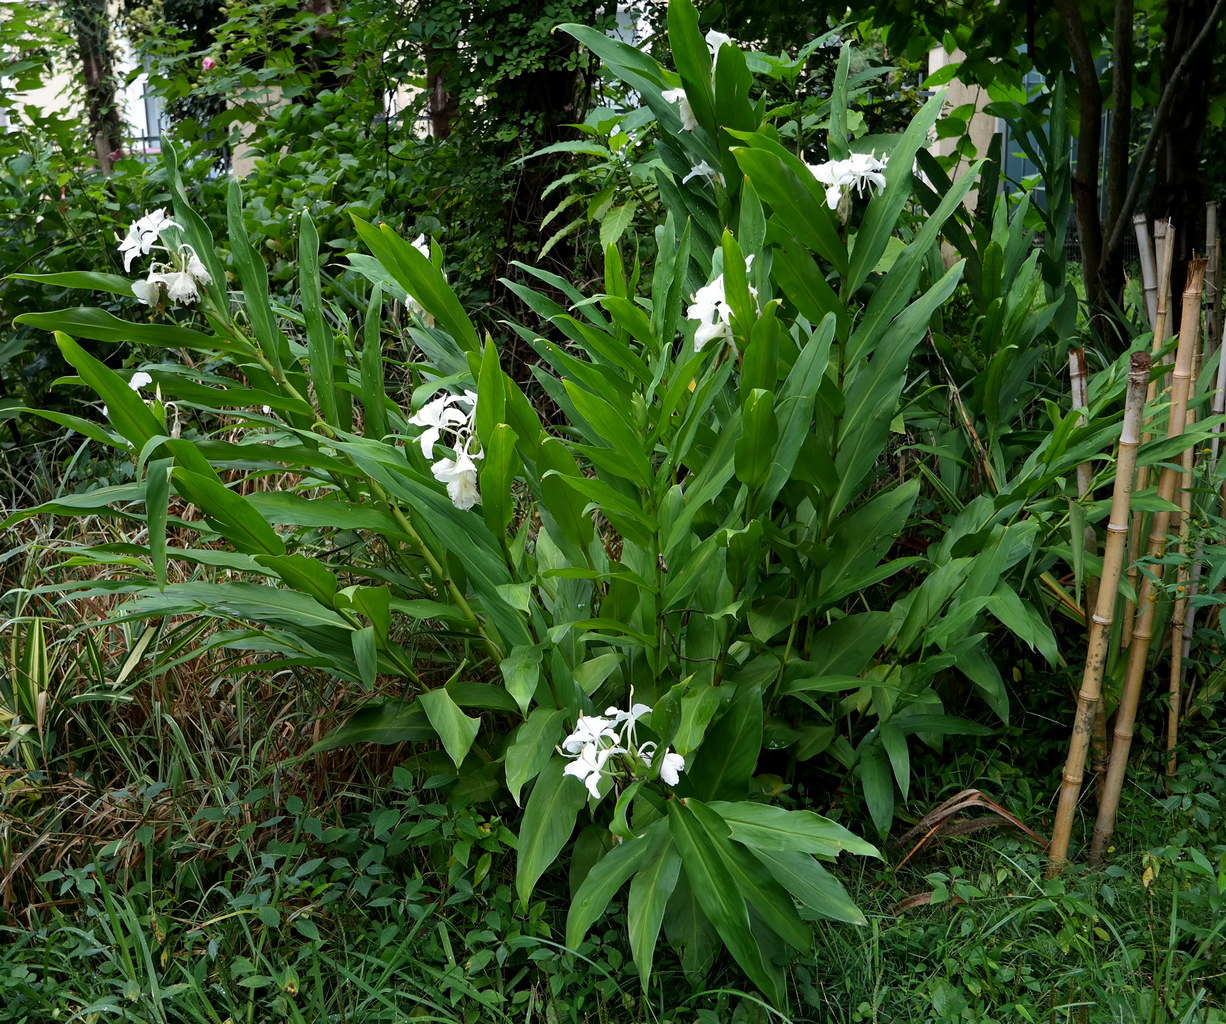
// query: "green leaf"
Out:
[233,515]
[755,448]
[716,891]
[811,884]
[766,827]
[794,195]
[728,756]
[881,218]
[421,279]
[319,336]
[456,729]
[87,280]
[615,222]
[549,819]
[878,784]
[531,746]
[499,467]
[608,875]
[393,721]
[306,574]
[157,500]
[765,895]
[374,393]
[693,60]
[365,654]
[521,673]
[649,895]
[128,413]
[253,276]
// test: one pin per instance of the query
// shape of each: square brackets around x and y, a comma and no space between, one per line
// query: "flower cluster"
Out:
[601,739]
[710,308]
[178,280]
[445,415]
[858,171]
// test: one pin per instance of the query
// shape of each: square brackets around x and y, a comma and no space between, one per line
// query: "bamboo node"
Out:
[1102,620]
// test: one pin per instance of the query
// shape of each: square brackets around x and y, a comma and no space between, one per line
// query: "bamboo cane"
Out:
[1080,394]
[1217,407]
[1164,242]
[1142,632]
[1213,274]
[1149,273]
[1089,698]
[1183,576]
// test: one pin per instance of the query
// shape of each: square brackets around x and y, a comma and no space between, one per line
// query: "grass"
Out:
[172,850]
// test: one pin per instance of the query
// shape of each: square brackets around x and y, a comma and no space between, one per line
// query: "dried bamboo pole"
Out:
[1080,394]
[1149,273]
[1217,407]
[1213,274]
[1164,242]
[1089,698]
[1183,577]
[1143,626]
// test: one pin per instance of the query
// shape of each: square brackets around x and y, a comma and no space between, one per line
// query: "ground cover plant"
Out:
[369,681]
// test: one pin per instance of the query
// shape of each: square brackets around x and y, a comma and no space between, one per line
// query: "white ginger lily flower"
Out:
[710,308]
[704,170]
[443,414]
[180,287]
[717,39]
[150,291]
[460,476]
[588,767]
[859,171]
[589,729]
[672,764]
[194,266]
[688,121]
[143,236]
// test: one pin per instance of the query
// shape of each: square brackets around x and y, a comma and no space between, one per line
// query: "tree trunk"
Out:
[89,20]
[1180,189]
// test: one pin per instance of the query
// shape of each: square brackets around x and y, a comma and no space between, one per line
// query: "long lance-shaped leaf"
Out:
[649,894]
[99,325]
[717,893]
[549,819]
[421,279]
[127,411]
[1143,626]
[320,339]
[609,874]
[254,278]
[86,280]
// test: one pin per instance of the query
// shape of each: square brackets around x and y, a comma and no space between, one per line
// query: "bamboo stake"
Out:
[1089,698]
[1213,275]
[1149,273]
[1217,407]
[1147,598]
[1080,394]
[1183,576]
[1164,242]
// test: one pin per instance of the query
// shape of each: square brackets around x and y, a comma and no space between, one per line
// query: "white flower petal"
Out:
[671,768]
[688,121]
[140,379]
[181,287]
[717,39]
[149,291]
[460,476]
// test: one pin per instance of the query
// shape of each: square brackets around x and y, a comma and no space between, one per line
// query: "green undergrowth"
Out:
[383,903]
